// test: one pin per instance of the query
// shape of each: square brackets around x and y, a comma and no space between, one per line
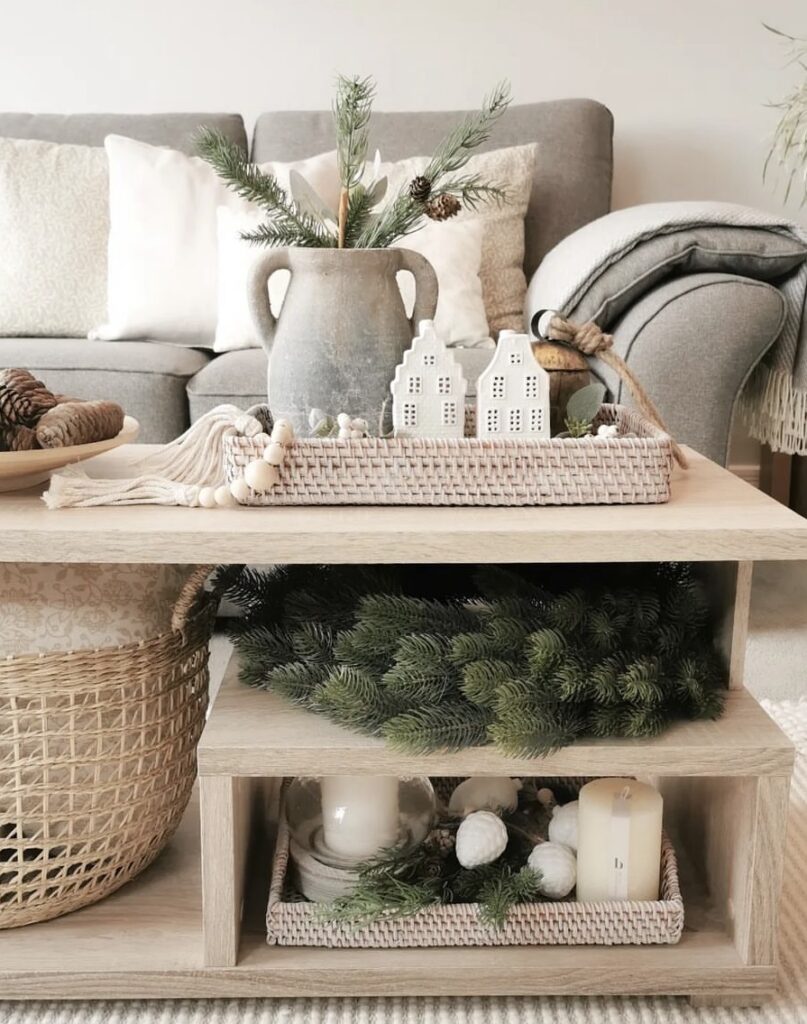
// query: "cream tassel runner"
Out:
[174,475]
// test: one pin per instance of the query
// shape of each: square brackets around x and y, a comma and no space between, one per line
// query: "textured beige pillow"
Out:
[504,286]
[80,607]
[54,224]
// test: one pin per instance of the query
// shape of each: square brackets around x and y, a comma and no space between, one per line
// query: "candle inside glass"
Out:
[619,841]
[359,814]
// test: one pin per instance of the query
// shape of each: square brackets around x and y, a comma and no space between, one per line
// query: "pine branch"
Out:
[451,726]
[313,642]
[249,182]
[473,191]
[505,890]
[481,679]
[641,683]
[351,114]
[297,681]
[474,129]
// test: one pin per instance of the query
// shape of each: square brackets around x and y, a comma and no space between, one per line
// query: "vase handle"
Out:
[426,287]
[260,310]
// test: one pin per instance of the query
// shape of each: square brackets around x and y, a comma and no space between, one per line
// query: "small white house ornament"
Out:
[513,392]
[428,392]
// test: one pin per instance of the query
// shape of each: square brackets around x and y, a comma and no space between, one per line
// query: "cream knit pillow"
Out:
[504,286]
[54,224]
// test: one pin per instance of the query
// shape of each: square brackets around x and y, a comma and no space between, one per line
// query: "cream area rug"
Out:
[788,1007]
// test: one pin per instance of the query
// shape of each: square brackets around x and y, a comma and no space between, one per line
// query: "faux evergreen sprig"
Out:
[364,219]
[586,651]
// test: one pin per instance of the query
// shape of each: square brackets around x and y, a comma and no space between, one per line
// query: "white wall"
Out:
[687,80]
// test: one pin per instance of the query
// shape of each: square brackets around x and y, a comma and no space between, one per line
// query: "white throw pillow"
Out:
[162,243]
[53,227]
[453,249]
[504,286]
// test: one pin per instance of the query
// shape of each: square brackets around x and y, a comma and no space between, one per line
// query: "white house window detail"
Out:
[492,421]
[497,386]
[410,414]
[443,385]
[536,419]
[414,385]
[449,413]
[514,421]
[429,359]
[531,386]
[516,359]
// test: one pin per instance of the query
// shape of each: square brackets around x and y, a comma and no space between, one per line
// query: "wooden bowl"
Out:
[25,469]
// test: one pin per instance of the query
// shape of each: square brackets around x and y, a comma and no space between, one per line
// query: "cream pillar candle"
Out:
[619,841]
[359,814]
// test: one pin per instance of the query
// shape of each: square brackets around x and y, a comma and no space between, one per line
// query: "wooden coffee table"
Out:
[191,925]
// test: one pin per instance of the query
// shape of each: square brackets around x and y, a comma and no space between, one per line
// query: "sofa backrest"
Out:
[175,130]
[573,179]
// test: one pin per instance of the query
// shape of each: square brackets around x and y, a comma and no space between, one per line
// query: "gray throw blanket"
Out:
[597,272]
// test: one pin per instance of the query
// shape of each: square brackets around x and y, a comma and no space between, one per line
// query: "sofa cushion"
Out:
[237,378]
[147,378]
[572,183]
[175,130]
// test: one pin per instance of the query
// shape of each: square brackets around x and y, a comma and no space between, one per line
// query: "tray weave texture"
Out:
[292,922]
[97,762]
[468,471]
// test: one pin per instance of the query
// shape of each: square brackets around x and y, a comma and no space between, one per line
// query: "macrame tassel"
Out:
[197,456]
[73,488]
[174,475]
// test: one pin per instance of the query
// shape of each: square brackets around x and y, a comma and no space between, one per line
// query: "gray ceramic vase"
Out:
[342,329]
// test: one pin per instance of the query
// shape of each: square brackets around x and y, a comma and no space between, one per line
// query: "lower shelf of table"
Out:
[146,941]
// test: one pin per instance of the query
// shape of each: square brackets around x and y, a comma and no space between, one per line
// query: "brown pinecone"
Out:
[443,207]
[17,439]
[420,188]
[23,398]
[79,423]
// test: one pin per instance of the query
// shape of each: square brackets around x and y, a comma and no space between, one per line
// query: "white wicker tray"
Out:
[417,471]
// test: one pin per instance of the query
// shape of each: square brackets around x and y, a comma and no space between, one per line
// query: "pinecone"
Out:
[443,207]
[17,439]
[23,398]
[442,840]
[420,188]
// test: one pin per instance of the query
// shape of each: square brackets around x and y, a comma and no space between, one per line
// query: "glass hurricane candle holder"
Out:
[342,820]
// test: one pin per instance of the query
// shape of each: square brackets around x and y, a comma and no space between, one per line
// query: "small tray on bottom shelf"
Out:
[293,922]
[622,470]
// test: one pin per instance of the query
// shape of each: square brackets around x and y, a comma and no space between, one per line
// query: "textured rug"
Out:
[788,1007]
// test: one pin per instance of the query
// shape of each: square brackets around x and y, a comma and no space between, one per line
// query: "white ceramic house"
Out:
[512,393]
[428,392]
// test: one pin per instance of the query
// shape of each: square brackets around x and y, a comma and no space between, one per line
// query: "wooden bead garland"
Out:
[260,475]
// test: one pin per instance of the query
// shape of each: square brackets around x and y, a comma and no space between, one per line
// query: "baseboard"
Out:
[747,471]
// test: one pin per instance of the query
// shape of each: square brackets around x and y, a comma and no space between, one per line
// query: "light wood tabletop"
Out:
[712,515]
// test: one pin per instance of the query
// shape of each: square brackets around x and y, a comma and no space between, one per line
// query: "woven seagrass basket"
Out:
[291,921]
[623,470]
[97,761]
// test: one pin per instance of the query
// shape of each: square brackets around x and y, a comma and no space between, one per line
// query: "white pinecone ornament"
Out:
[484,793]
[563,826]
[481,839]
[557,866]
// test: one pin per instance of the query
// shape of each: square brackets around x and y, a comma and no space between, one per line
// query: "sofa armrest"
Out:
[692,342]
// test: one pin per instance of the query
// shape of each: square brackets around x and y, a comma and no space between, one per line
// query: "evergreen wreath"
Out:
[528,658]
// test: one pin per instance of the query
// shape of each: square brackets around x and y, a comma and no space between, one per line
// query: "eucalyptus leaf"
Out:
[585,403]
[308,199]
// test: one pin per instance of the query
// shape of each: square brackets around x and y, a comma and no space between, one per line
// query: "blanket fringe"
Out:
[774,411]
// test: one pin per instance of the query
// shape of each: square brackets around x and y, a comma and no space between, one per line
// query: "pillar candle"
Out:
[359,814]
[619,841]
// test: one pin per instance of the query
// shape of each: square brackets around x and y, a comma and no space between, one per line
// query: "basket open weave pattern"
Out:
[290,922]
[97,761]
[468,471]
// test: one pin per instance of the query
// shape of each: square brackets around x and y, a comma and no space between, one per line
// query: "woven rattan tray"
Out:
[291,921]
[624,470]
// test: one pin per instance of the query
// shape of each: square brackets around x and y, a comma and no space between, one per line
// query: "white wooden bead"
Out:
[261,476]
[283,432]
[239,489]
[207,497]
[343,421]
[356,433]
[223,497]
[345,433]
[274,454]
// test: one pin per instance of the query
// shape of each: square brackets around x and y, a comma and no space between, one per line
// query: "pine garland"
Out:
[529,659]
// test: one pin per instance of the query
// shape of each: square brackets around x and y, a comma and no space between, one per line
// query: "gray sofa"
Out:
[674,337]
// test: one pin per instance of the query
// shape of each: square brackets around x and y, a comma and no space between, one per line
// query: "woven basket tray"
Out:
[468,471]
[290,921]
